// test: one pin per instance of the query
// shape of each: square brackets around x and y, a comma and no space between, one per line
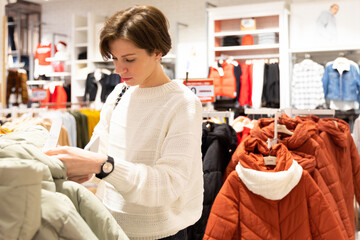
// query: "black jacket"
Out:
[219,142]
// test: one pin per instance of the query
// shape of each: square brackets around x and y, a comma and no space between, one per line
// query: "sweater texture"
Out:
[154,136]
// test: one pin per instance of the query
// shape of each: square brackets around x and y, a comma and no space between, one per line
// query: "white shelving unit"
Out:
[84,40]
[270,18]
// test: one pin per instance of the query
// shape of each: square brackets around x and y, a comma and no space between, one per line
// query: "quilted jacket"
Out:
[262,202]
[307,141]
[37,202]
[336,135]
[219,142]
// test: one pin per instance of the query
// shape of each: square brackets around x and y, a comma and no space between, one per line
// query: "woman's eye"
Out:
[129,60]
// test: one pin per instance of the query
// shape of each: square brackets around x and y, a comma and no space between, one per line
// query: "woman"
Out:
[150,134]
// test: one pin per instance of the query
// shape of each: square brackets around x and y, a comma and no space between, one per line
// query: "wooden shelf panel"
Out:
[251,32]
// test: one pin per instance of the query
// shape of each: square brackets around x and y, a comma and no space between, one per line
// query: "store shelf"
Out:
[58,74]
[271,19]
[82,61]
[250,32]
[248,47]
[44,82]
[56,59]
[325,49]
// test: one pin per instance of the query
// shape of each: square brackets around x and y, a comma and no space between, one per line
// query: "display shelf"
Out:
[58,74]
[56,59]
[248,47]
[45,82]
[270,19]
[84,35]
[246,32]
[326,49]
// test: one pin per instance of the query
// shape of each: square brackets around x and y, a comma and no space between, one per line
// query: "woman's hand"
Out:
[79,162]
[81,179]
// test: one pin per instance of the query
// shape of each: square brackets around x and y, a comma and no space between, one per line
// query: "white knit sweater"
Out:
[154,135]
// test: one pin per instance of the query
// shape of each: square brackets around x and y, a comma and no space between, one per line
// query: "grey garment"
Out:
[60,220]
[68,210]
[70,125]
[326,26]
[20,186]
[95,214]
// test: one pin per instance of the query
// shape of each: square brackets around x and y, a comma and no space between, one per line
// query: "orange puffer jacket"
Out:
[336,135]
[261,202]
[305,140]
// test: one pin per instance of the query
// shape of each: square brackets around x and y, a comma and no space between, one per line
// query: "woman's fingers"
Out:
[57,150]
[81,179]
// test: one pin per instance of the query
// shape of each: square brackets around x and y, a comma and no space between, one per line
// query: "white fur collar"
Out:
[270,185]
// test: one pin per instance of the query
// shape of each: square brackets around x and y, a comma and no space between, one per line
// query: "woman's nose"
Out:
[120,69]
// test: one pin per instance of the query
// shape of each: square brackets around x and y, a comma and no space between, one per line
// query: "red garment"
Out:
[42,52]
[335,135]
[58,97]
[224,85]
[214,74]
[304,140]
[238,213]
[246,85]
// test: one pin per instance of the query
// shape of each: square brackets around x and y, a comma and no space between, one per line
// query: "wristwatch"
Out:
[106,168]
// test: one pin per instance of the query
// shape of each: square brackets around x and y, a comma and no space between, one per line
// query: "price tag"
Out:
[54,134]
[37,94]
[203,88]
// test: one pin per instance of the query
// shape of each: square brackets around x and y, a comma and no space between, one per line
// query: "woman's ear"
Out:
[158,54]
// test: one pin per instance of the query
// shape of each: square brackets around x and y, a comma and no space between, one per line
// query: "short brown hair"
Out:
[145,26]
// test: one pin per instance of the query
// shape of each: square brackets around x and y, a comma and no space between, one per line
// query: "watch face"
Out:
[107,167]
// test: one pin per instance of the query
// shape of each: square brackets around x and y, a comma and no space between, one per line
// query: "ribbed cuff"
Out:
[119,178]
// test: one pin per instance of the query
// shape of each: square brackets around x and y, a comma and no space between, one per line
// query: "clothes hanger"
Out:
[281,128]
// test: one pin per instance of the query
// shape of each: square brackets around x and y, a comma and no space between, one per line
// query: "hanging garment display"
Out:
[218,144]
[306,86]
[16,88]
[271,88]
[341,82]
[270,201]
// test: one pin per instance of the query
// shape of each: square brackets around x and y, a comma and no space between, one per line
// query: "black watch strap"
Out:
[106,168]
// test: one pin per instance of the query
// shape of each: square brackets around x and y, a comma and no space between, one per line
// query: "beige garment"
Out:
[20,123]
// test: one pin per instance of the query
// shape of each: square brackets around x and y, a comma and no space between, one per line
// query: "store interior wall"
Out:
[192,39]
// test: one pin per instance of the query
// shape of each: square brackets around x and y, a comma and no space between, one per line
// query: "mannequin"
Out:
[43,51]
[60,57]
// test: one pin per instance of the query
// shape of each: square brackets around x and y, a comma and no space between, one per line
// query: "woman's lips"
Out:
[125,79]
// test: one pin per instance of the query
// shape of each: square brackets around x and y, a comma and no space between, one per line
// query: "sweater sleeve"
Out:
[224,216]
[322,220]
[178,166]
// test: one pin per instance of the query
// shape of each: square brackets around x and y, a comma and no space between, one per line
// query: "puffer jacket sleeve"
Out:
[95,214]
[20,202]
[330,199]
[224,215]
[322,220]
[60,220]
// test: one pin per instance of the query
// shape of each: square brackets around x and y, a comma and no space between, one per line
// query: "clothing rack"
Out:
[226,114]
[291,112]
[260,56]
[64,104]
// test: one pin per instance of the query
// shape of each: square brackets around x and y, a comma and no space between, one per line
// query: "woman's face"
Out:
[133,64]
